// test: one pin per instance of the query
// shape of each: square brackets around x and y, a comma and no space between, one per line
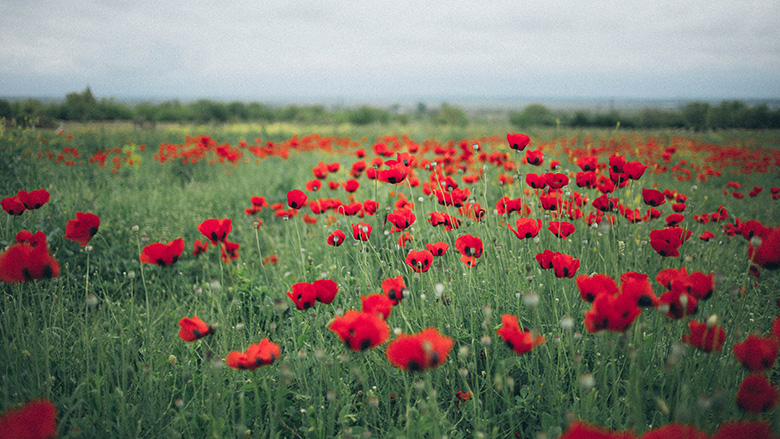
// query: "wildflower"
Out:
[271,260]
[228,251]
[36,419]
[705,337]
[666,242]
[193,329]
[437,249]
[419,260]
[303,295]
[580,430]
[520,341]
[564,265]
[257,355]
[379,304]
[756,394]
[767,253]
[401,219]
[360,330]
[200,247]
[534,157]
[526,228]
[461,397]
[361,231]
[33,200]
[394,288]
[325,290]
[675,430]
[162,254]
[561,229]
[425,350]
[517,141]
[756,353]
[535,181]
[336,238]
[13,206]
[216,230]
[28,259]
[755,429]
[652,197]
[296,199]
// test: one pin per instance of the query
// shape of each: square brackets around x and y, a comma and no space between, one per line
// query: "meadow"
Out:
[612,281]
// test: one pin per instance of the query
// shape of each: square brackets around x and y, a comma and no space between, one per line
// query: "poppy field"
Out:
[388,281]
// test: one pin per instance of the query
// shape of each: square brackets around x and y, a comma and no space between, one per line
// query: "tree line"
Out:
[85,107]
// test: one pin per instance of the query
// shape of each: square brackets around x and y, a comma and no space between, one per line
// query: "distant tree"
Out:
[695,115]
[532,115]
[6,110]
[80,106]
[580,119]
[451,115]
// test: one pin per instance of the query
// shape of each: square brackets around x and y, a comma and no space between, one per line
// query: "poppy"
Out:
[320,171]
[756,394]
[505,205]
[534,157]
[200,247]
[228,251]
[588,163]
[580,430]
[216,230]
[396,174]
[26,261]
[360,330]
[296,199]
[438,249]
[526,227]
[33,200]
[473,211]
[517,141]
[83,228]
[757,429]
[336,238]
[162,254]
[680,303]
[12,205]
[637,286]
[767,254]
[361,231]
[550,201]
[32,239]
[614,313]
[674,219]
[634,170]
[394,288]
[401,219]
[586,179]
[536,181]
[675,430]
[556,180]
[565,265]
[561,229]
[333,185]
[461,397]
[303,295]
[405,238]
[469,246]
[370,207]
[593,286]
[708,338]
[425,350]
[419,260]
[449,221]
[271,259]
[756,353]
[520,341]
[378,304]
[653,197]
[257,355]
[193,329]
[545,259]
[325,290]
[258,202]
[605,203]
[313,185]
[707,235]
[666,242]
[36,419]
[351,185]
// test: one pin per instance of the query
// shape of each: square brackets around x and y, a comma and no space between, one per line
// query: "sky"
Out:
[391,51]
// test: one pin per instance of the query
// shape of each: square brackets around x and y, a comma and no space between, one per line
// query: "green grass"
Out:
[118,369]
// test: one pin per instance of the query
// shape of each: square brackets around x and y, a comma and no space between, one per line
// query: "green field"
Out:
[101,339]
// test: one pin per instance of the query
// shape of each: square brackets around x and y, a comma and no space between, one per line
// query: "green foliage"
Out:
[532,115]
[451,115]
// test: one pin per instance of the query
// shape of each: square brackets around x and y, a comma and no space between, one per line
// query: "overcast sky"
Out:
[409,50]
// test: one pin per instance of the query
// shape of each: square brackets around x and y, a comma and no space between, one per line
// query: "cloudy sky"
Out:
[402,50]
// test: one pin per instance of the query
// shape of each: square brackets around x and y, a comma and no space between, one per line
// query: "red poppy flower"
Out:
[200,248]
[586,179]
[461,397]
[394,288]
[707,235]
[564,265]
[26,261]
[303,295]
[313,185]
[33,239]
[674,219]
[588,163]
[593,286]
[545,259]
[581,430]
[36,419]
[12,205]
[419,260]
[634,170]
[556,180]
[536,181]
[216,230]
[767,254]
[680,303]
[756,353]
[336,238]
[756,394]
[333,185]
[229,251]
[517,141]
[637,286]
[405,238]
[469,246]
[425,350]
[370,207]
[325,290]
[193,328]
[652,197]
[438,249]
[33,200]
[675,431]
[401,219]
[396,174]
[83,228]
[517,339]
[257,355]
[561,229]
[361,231]
[605,203]
[360,330]
[258,202]
[334,167]
[705,337]
[550,201]
[611,312]
[378,304]
[296,199]
[534,157]
[667,241]
[351,185]
[526,227]
[450,222]
[162,254]
[757,429]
